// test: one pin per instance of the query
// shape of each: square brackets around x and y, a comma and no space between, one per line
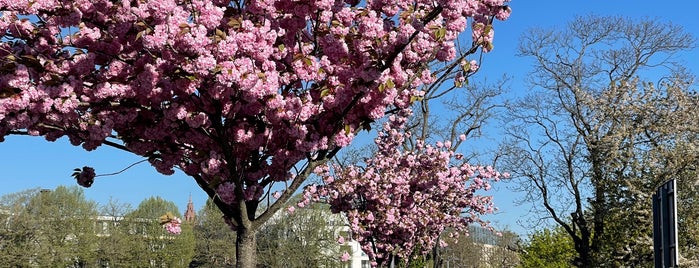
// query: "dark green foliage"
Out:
[213,239]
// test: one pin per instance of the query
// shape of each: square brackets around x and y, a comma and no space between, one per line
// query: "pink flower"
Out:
[173,226]
[171,223]
[291,209]
[277,195]
[370,217]
[341,240]
[503,13]
[473,66]
[226,192]
[345,257]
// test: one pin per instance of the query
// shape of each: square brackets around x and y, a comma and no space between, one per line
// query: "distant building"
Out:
[189,214]
[482,248]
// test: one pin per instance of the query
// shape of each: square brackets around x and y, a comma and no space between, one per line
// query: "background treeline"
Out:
[62,228]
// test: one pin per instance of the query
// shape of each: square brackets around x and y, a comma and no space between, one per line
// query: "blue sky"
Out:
[31,162]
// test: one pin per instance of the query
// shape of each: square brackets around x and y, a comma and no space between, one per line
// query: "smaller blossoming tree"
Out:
[399,201]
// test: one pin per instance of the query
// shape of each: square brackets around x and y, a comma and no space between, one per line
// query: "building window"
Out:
[366,264]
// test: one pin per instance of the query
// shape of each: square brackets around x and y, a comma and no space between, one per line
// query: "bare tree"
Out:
[593,139]
[481,248]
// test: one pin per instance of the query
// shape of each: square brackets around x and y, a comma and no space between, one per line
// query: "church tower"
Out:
[189,214]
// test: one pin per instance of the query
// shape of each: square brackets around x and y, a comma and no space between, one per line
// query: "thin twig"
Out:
[120,171]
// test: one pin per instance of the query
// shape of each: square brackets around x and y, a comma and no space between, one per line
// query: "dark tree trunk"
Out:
[584,259]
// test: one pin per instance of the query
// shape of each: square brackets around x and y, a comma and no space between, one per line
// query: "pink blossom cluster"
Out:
[400,200]
[173,226]
[234,93]
[171,223]
[345,257]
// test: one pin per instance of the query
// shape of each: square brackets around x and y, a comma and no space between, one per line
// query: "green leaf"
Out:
[324,92]
[440,33]
[307,61]
[390,84]
[348,129]
[415,98]
[487,29]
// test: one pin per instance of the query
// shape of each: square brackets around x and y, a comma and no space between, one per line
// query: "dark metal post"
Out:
[665,225]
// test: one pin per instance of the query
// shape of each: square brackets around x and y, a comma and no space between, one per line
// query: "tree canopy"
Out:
[239,95]
[612,116]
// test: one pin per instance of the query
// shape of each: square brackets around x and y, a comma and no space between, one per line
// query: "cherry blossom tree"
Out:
[399,201]
[242,96]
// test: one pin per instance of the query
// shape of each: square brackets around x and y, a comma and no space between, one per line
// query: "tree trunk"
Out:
[246,248]
[584,259]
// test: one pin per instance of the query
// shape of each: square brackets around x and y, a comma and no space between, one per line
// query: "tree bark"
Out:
[246,248]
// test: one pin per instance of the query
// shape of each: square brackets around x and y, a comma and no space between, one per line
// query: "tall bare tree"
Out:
[610,117]
[115,242]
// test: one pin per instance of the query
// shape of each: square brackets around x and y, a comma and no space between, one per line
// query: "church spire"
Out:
[189,214]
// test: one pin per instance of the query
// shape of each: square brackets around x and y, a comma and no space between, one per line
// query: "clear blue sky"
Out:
[31,162]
